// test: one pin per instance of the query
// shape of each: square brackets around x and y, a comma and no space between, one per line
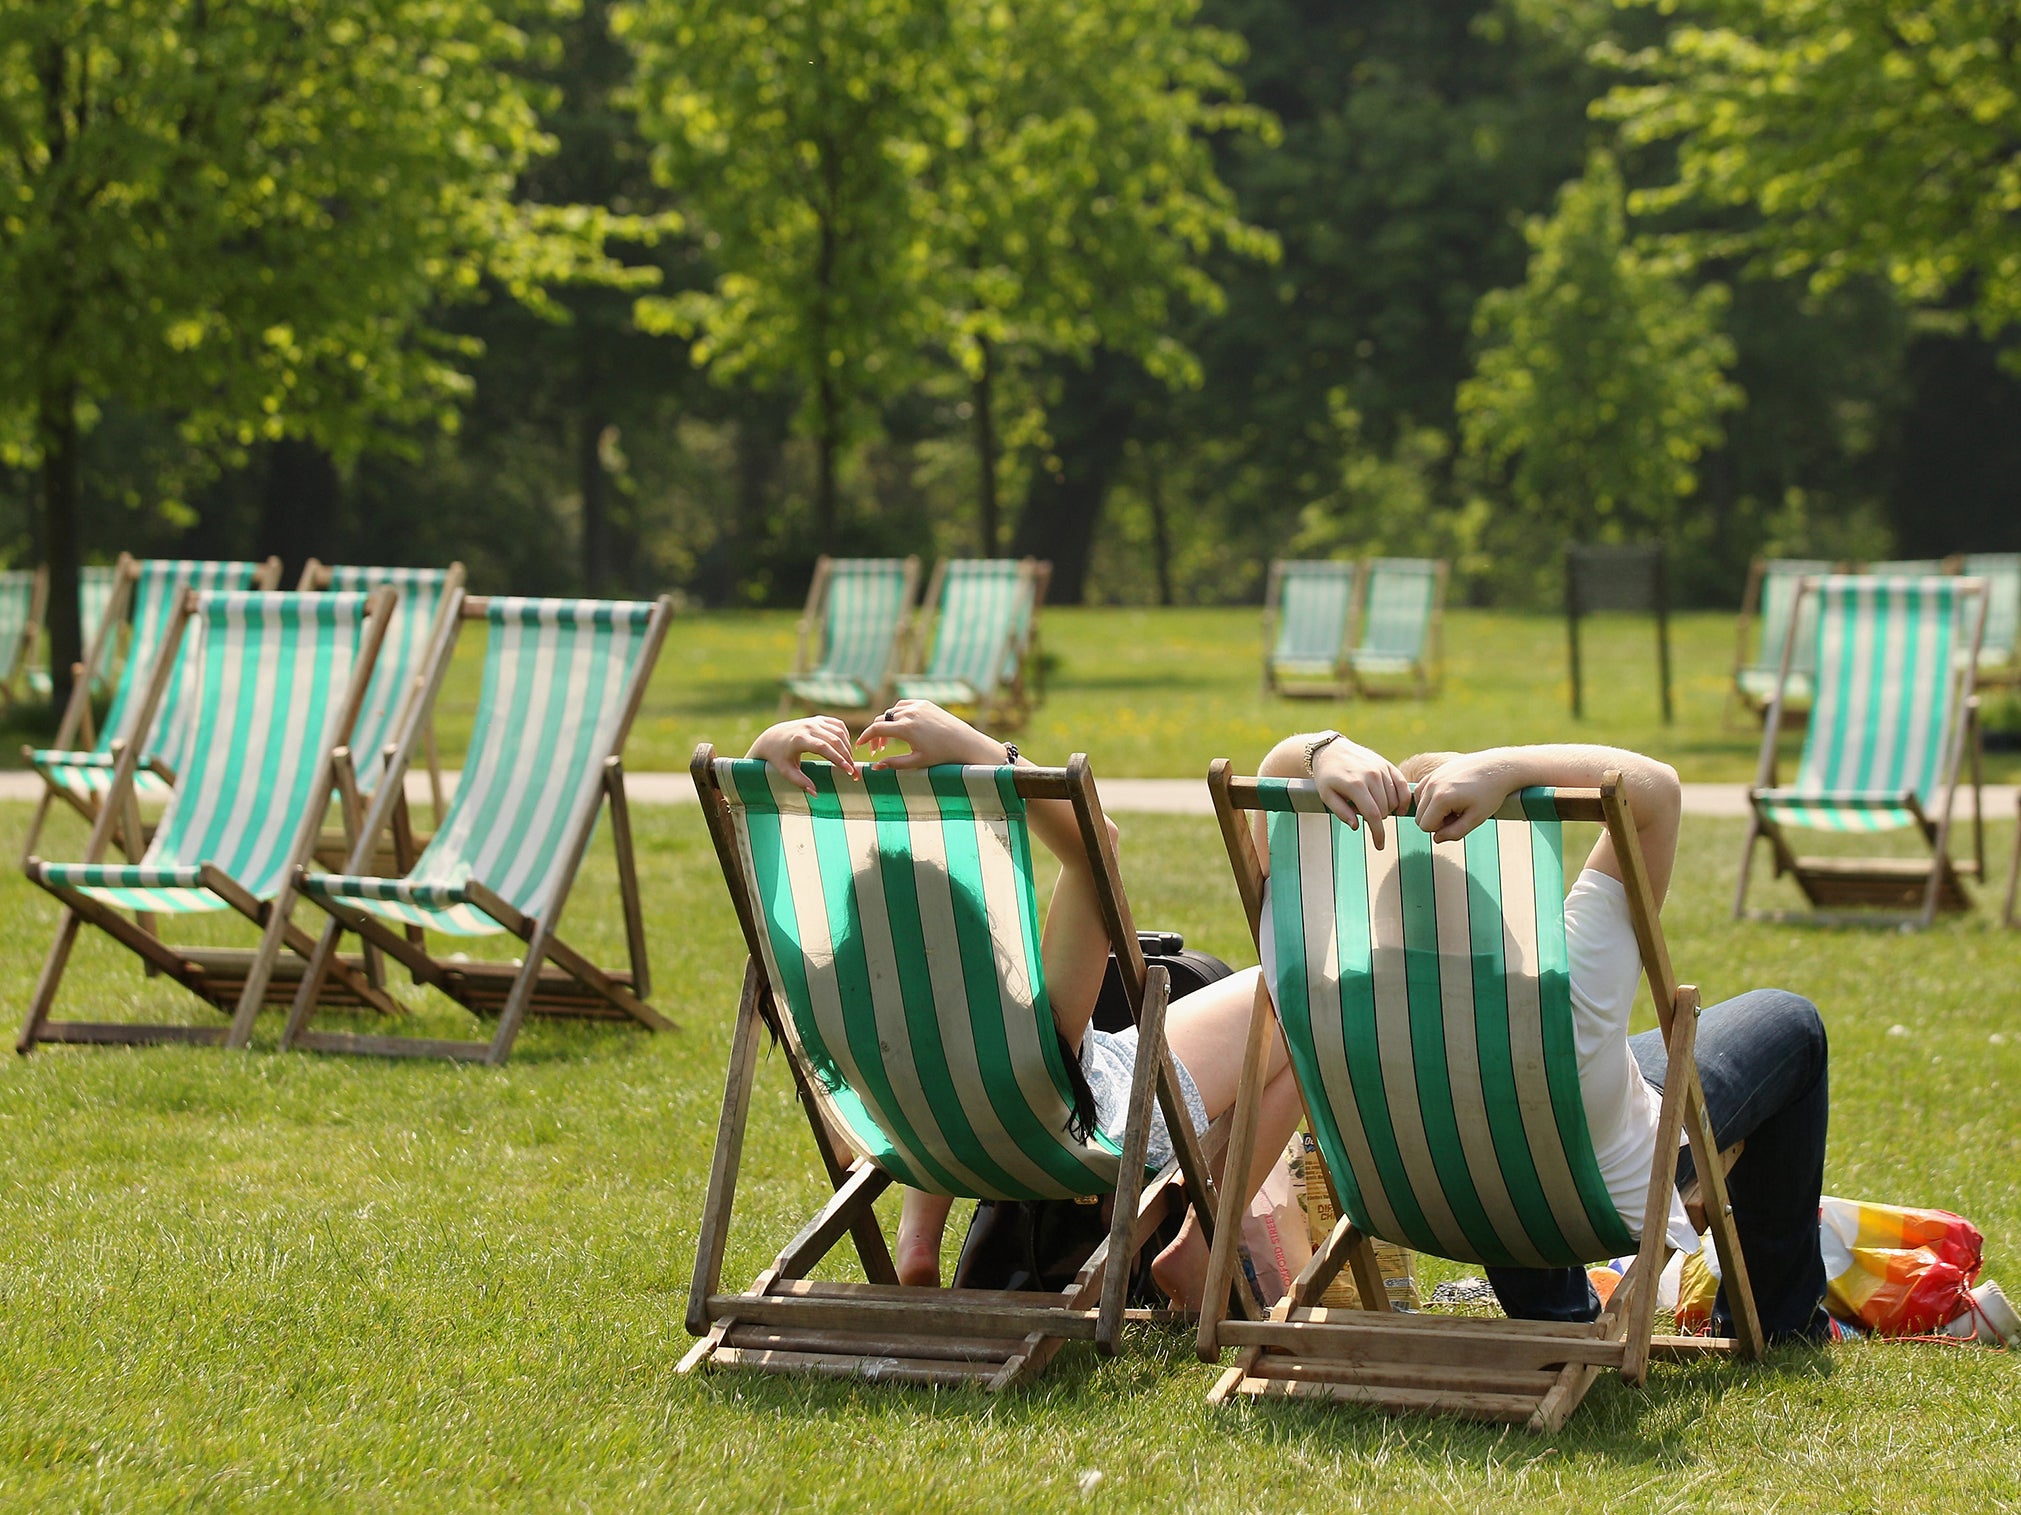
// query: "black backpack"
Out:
[1043,1243]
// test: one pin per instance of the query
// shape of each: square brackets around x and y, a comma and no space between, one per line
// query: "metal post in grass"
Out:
[1626,576]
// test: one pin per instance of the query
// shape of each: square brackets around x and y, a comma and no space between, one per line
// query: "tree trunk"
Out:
[985,450]
[1090,425]
[299,506]
[595,490]
[1161,531]
[61,465]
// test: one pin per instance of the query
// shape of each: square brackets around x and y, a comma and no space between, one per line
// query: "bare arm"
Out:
[1357,783]
[1465,791]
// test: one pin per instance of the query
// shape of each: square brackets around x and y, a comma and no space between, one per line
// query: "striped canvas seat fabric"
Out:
[1425,998]
[1779,600]
[17,608]
[270,672]
[901,931]
[555,677]
[95,583]
[1313,603]
[155,592]
[2002,573]
[1397,615]
[975,637]
[1885,707]
[860,625]
[400,656]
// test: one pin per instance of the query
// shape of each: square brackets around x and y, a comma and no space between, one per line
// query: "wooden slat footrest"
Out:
[1511,1409]
[1381,1341]
[104,1033]
[914,1370]
[997,1350]
[888,1318]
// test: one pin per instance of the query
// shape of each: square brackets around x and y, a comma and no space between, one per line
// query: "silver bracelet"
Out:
[1314,744]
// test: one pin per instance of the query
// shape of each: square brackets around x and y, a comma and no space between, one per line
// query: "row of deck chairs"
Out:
[1770,602]
[1333,628]
[864,640]
[250,714]
[892,927]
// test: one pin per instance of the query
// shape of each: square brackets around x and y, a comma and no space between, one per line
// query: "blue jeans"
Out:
[1763,1060]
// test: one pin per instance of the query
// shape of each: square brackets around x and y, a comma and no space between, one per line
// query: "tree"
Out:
[1076,197]
[1600,380]
[1867,137]
[243,214]
[796,132]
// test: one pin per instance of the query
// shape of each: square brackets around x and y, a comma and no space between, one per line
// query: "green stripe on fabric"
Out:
[1429,1063]
[1491,1037]
[1561,1055]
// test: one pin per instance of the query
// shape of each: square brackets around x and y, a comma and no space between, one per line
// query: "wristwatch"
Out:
[1314,743]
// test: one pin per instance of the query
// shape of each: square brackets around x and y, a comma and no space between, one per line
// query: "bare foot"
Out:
[1181,1269]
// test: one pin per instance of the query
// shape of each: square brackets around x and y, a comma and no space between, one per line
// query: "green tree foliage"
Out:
[1870,137]
[1601,380]
[242,214]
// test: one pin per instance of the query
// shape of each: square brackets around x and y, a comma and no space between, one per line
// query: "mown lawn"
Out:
[316,1283]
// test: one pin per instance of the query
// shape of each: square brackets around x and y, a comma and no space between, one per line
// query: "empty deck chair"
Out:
[984,612]
[77,768]
[1425,1001]
[1771,599]
[276,683]
[893,932]
[95,582]
[2000,650]
[1892,717]
[852,635]
[562,682]
[1400,623]
[1308,612]
[21,594]
[418,619]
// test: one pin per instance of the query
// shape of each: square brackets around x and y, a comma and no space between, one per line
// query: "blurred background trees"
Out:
[619,297]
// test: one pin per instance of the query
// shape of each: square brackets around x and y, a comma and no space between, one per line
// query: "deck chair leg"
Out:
[45,986]
[521,998]
[1130,1175]
[311,987]
[1234,1166]
[35,824]
[1710,1164]
[713,1234]
[1746,867]
[1682,1040]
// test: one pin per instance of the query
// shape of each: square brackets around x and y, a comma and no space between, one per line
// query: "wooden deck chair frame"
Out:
[1525,1372]
[1427,673]
[1999,665]
[811,637]
[14,659]
[879,1329]
[1336,684]
[235,980]
[75,731]
[1006,706]
[2007,915]
[1738,695]
[318,575]
[552,978]
[1919,887]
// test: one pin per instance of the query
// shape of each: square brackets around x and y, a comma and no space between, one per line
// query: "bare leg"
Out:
[1075,947]
[922,1221]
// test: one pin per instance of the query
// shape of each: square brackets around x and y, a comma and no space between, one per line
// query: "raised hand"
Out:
[1359,784]
[933,736]
[784,745]
[1462,792]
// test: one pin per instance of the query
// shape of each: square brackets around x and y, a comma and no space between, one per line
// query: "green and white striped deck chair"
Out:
[893,929]
[982,609]
[1308,614]
[416,628]
[1772,599]
[1399,625]
[95,584]
[145,596]
[275,683]
[1423,990]
[1888,726]
[2000,648]
[852,634]
[562,683]
[21,591]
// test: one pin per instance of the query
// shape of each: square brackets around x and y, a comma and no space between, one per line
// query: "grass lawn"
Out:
[302,1282]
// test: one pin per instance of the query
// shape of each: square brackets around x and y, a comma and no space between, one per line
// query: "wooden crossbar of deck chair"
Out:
[893,935]
[1765,611]
[852,636]
[1911,568]
[276,682]
[1424,998]
[22,591]
[982,610]
[1893,713]
[2000,648]
[1400,608]
[563,680]
[77,767]
[1308,620]
[423,609]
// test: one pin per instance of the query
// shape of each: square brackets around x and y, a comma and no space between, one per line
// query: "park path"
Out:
[1123,796]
